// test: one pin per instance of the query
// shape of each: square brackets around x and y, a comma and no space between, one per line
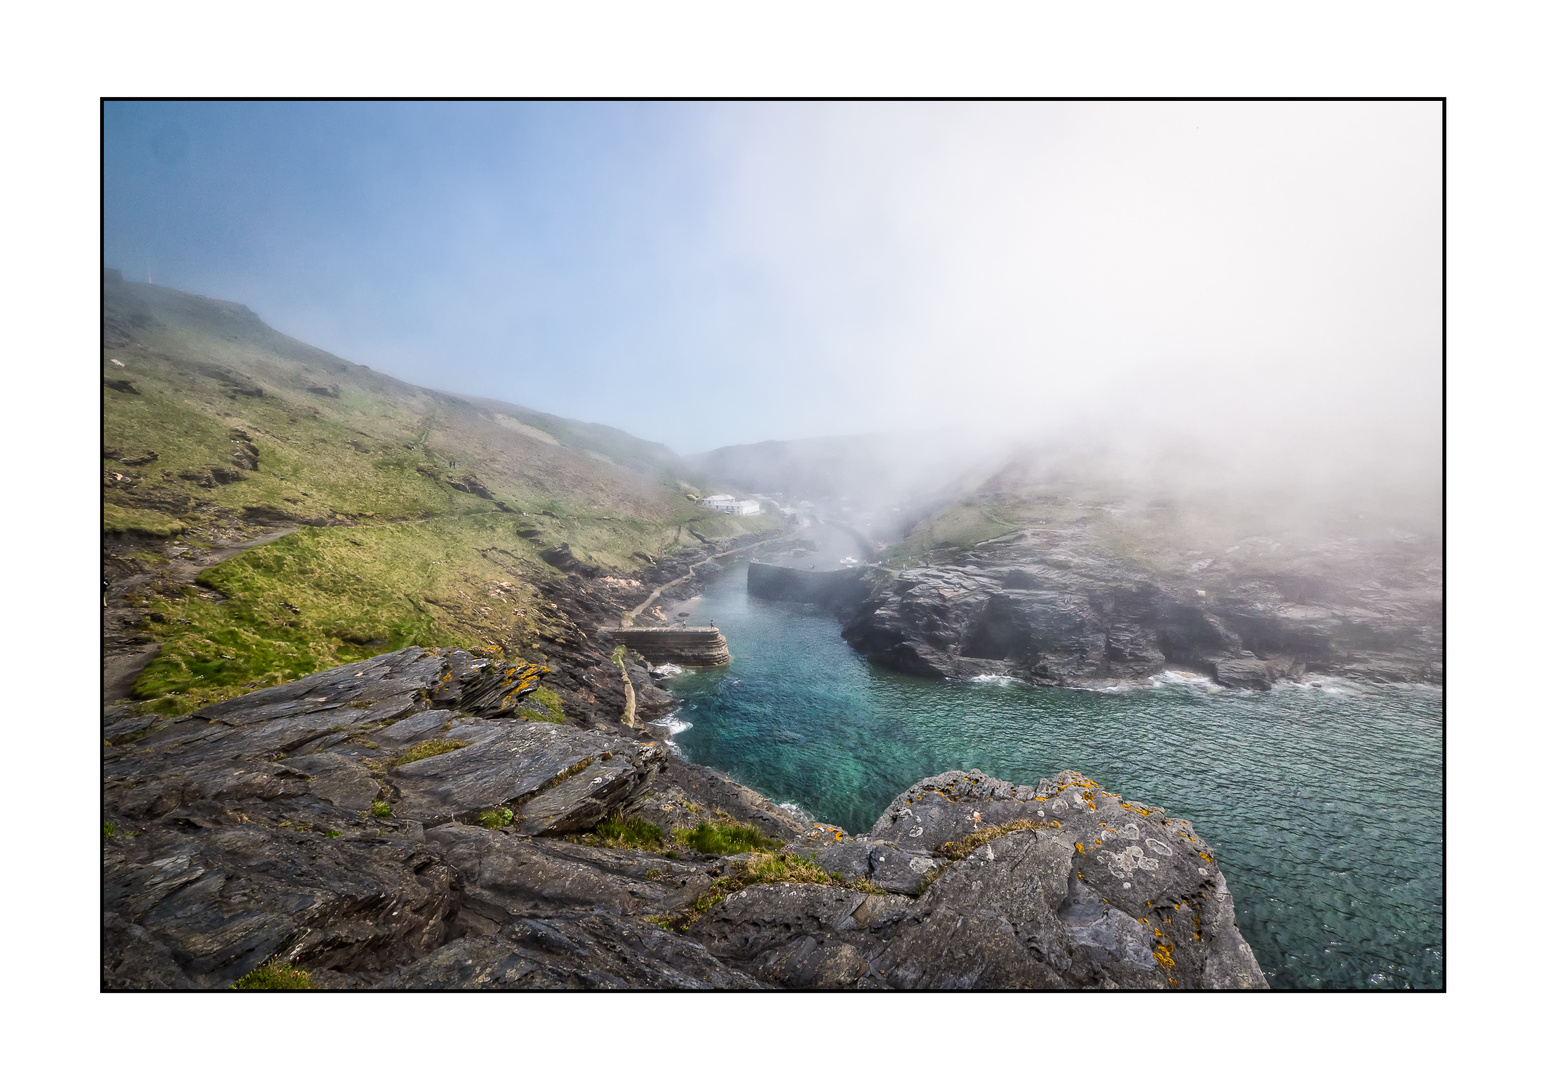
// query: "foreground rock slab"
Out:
[1059,885]
[403,823]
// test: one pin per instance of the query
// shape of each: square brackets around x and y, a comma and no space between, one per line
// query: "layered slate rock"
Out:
[394,823]
[1065,614]
[285,822]
[594,952]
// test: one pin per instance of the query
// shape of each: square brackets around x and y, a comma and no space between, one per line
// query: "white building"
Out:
[730,505]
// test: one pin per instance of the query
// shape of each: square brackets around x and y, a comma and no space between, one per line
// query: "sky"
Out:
[1264,278]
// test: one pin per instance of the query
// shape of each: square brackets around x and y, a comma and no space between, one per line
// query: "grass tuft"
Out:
[380,808]
[428,749]
[274,976]
[498,818]
[758,870]
[632,832]
[727,838]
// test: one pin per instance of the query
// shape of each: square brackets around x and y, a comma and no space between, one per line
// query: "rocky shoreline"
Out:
[408,821]
[1056,612]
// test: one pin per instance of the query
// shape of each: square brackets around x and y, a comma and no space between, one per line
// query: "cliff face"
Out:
[1068,613]
[413,820]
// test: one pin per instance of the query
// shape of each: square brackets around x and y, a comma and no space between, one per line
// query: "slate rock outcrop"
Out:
[396,823]
[1059,611]
[1058,885]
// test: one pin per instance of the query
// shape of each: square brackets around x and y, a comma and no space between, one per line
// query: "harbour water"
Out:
[1323,802]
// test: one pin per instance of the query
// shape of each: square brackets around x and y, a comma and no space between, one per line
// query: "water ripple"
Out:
[1323,802]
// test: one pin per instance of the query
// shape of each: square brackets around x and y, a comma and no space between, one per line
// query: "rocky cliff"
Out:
[416,820]
[1057,608]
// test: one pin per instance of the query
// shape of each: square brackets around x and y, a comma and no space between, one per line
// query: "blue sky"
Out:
[705,274]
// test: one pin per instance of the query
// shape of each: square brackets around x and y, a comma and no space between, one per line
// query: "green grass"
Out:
[498,818]
[380,808]
[274,976]
[415,561]
[631,832]
[119,519]
[727,838]
[428,749]
[760,870]
[544,706]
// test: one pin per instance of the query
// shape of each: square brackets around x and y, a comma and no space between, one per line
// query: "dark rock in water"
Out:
[1244,672]
[393,823]
[1074,616]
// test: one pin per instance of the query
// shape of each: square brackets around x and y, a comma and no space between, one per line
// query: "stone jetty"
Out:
[692,646]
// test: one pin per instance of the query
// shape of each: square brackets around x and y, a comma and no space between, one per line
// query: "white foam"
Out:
[672,726]
[1190,680]
[797,811]
[668,671]
[1119,686]
[996,680]
[1326,684]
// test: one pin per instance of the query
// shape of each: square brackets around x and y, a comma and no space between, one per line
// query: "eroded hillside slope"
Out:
[391,515]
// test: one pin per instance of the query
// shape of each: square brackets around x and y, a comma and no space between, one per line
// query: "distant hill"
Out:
[867,469]
[217,427]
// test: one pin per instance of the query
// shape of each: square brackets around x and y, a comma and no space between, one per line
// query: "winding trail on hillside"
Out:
[626,620]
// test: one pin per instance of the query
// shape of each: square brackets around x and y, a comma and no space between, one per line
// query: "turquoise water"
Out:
[1323,804]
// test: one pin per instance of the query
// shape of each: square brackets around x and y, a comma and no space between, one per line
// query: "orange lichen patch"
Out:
[1164,956]
[1206,857]
[1080,851]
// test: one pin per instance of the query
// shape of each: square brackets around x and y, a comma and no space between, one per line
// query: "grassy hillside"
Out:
[422,514]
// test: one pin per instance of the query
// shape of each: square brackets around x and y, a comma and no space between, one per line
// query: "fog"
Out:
[1251,289]
[1260,280]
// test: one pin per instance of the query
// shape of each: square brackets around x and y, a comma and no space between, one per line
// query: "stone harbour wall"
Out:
[692,646]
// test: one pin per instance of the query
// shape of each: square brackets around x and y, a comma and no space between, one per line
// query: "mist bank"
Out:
[1287,485]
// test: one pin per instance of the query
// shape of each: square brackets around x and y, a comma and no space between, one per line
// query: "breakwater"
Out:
[829,589]
[689,646]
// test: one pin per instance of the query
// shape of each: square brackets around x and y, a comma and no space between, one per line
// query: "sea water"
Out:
[1323,802]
